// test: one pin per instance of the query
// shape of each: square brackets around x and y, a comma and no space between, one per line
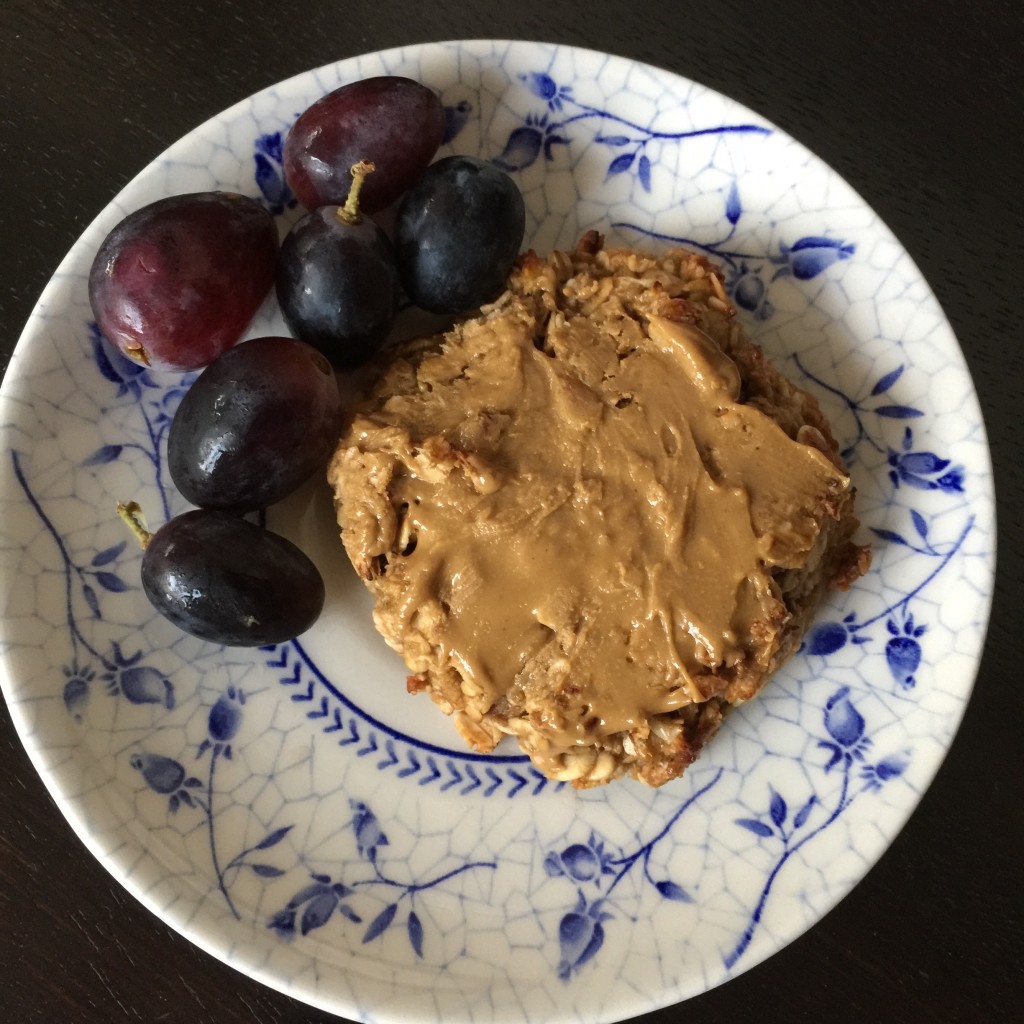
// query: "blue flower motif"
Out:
[845,725]
[76,689]
[828,637]
[223,722]
[455,117]
[139,683]
[369,834]
[809,256]
[891,767]
[269,158]
[903,652]
[923,470]
[749,291]
[167,777]
[580,935]
[320,900]
[525,144]
[580,862]
[546,88]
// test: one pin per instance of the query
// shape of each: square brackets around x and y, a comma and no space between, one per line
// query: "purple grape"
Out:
[337,283]
[395,123]
[224,579]
[458,233]
[255,424]
[178,282]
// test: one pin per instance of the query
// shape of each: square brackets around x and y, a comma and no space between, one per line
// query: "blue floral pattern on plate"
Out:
[296,808]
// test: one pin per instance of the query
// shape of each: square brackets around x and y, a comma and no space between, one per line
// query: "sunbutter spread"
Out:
[587,525]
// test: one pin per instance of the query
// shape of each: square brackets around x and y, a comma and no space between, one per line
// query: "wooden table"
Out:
[917,104]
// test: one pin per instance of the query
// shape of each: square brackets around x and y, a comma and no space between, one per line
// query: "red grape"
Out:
[395,123]
[177,282]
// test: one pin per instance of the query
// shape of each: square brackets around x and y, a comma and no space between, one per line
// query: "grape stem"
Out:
[131,515]
[350,211]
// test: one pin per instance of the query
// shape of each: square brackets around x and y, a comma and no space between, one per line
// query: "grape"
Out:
[177,282]
[256,423]
[225,579]
[337,283]
[392,122]
[458,232]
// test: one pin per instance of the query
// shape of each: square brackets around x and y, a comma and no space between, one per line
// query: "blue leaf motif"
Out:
[108,555]
[380,923]
[759,828]
[318,912]
[671,891]
[891,536]
[110,582]
[887,380]
[100,457]
[273,839]
[613,140]
[91,600]
[621,164]
[778,809]
[920,524]
[733,209]
[804,812]
[898,412]
[415,929]
[266,870]
[643,173]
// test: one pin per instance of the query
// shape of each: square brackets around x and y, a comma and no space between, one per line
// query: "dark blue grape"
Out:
[337,284]
[256,423]
[458,233]
[227,580]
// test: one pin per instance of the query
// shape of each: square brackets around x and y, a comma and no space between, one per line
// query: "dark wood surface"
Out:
[917,104]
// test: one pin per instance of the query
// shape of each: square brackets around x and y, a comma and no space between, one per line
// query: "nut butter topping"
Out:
[593,524]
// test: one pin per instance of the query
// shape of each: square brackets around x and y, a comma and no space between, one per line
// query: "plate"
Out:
[292,811]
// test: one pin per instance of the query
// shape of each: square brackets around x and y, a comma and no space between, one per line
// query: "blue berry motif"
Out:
[596,873]
[903,651]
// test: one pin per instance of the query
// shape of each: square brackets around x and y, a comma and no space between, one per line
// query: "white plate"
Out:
[293,812]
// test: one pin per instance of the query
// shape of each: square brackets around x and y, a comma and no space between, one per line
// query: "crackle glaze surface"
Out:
[292,811]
